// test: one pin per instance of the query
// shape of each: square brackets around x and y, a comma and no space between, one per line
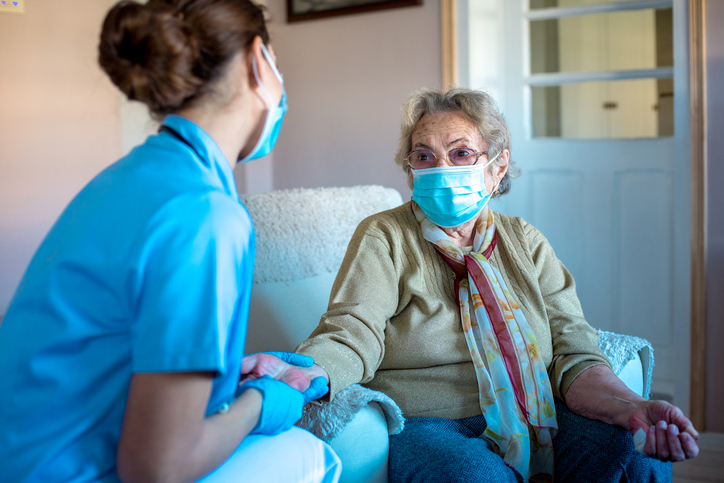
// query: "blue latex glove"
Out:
[292,358]
[317,388]
[281,405]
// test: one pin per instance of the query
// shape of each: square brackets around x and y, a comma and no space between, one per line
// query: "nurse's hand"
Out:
[292,358]
[281,405]
[317,388]
[262,364]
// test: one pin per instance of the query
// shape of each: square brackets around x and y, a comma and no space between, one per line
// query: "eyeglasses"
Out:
[423,158]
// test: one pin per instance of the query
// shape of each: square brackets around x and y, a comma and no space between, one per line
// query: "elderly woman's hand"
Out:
[598,393]
[670,436]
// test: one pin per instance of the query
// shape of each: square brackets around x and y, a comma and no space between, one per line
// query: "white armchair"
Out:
[302,236]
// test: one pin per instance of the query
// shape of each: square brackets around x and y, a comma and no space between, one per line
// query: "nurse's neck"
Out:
[232,120]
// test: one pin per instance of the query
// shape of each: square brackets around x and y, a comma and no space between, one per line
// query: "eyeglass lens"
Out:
[422,158]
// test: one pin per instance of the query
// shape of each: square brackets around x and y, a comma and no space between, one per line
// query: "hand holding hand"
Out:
[319,385]
[670,436]
[297,370]
[261,364]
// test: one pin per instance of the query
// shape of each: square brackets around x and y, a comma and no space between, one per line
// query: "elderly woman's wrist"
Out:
[623,410]
[597,393]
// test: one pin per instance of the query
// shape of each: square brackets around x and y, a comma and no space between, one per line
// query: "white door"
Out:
[582,84]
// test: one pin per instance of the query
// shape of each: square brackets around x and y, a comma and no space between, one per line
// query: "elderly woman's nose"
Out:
[441,161]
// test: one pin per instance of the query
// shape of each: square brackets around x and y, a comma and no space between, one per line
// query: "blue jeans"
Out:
[444,450]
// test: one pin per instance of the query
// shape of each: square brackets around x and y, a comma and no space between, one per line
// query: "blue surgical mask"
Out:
[451,196]
[274,116]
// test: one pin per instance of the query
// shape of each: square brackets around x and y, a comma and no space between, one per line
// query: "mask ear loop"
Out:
[267,55]
[255,68]
[497,184]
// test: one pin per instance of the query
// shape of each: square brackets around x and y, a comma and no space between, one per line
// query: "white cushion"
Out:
[282,314]
[632,375]
[301,233]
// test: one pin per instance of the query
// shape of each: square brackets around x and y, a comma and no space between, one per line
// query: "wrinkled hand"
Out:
[670,436]
[262,364]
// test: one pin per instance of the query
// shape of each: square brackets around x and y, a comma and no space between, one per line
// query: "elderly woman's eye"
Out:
[462,155]
[423,156]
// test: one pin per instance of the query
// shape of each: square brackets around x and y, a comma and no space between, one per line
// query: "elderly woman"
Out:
[466,318]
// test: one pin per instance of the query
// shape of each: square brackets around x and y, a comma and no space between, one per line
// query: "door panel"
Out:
[560,215]
[644,254]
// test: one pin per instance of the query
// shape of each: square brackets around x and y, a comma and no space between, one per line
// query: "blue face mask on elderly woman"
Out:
[451,196]
[274,116]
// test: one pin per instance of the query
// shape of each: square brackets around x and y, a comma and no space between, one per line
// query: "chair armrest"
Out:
[363,446]
[632,359]
[632,375]
[357,424]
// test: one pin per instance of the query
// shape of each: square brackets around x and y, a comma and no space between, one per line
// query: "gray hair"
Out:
[477,107]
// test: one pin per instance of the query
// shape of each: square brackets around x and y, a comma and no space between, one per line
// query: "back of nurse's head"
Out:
[170,54]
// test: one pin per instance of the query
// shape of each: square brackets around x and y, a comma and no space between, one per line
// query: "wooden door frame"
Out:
[449,37]
[697,380]
[697,388]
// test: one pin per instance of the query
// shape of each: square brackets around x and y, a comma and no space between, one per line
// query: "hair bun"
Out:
[150,55]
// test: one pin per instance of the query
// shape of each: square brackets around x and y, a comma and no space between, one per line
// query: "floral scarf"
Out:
[515,392]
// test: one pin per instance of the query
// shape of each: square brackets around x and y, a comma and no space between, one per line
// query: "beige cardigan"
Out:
[393,322]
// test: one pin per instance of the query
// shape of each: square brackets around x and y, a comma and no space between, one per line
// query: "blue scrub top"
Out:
[149,269]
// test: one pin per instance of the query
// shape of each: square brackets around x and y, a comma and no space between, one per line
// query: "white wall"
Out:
[715,214]
[346,79]
[58,122]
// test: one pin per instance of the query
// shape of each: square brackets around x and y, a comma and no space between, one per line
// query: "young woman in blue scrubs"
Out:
[121,353]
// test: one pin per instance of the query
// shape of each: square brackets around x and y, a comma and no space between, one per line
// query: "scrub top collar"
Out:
[206,149]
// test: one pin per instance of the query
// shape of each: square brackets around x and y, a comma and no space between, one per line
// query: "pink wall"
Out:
[59,122]
[346,79]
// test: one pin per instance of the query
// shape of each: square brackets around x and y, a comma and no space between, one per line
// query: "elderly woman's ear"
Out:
[498,169]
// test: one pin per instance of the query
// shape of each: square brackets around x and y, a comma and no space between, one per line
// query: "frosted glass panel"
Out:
[604,110]
[640,39]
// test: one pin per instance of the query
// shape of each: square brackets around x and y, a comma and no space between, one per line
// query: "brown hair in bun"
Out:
[168,53]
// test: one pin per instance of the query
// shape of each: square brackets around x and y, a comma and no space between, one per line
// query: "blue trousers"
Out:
[444,450]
